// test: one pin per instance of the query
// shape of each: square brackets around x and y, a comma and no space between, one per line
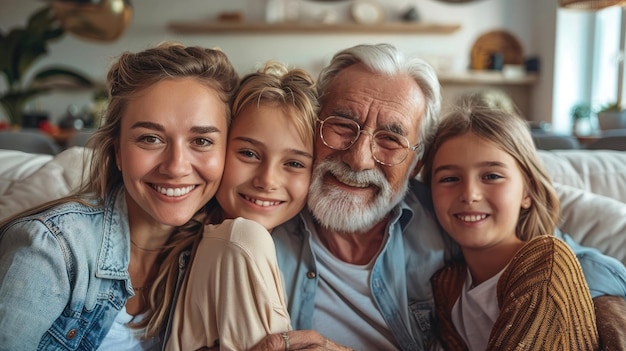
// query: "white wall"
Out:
[534,29]
[544,38]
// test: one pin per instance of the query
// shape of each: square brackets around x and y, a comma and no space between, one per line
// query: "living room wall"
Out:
[531,21]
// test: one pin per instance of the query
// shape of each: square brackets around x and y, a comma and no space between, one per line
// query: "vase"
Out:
[612,119]
[582,126]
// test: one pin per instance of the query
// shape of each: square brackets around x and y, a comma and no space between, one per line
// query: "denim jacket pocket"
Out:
[82,330]
[423,314]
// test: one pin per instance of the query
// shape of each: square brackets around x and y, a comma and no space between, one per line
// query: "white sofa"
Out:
[591,187]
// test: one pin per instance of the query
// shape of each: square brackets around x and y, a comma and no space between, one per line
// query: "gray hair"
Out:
[386,59]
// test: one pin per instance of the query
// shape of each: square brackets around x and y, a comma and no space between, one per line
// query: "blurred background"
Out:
[546,58]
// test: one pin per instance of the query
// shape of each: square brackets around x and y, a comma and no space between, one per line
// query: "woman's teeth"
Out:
[174,191]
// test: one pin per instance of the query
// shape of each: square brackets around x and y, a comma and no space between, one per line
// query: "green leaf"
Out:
[582,110]
[42,20]
[20,48]
[54,34]
[611,107]
[15,49]
[5,58]
[60,77]
[13,103]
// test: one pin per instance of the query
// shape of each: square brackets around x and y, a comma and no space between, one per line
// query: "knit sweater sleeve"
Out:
[544,301]
[447,284]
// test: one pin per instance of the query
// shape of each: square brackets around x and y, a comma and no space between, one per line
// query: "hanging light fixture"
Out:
[99,20]
[590,4]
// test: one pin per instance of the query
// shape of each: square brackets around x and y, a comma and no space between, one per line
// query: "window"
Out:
[589,53]
[606,76]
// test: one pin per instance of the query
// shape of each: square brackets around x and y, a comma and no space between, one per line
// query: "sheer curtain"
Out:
[607,57]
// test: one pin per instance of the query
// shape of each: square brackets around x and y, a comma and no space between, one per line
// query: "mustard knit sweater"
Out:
[543,298]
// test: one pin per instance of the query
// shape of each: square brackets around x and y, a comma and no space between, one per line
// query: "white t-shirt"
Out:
[123,338]
[475,311]
[344,307]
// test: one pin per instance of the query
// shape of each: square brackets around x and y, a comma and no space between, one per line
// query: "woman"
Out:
[74,272]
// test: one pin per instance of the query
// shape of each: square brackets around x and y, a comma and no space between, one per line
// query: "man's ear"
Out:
[417,168]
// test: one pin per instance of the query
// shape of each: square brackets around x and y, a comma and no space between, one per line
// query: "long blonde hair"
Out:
[511,134]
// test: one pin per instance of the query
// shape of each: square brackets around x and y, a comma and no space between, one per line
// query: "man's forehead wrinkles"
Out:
[364,103]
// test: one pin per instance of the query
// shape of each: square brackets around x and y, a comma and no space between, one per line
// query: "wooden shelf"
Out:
[487,77]
[214,27]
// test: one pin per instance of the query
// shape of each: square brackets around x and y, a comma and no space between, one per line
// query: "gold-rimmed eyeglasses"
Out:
[388,148]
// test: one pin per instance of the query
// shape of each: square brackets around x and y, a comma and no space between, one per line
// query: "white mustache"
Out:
[343,173]
[338,210]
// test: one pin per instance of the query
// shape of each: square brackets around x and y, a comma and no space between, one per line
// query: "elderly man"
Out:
[358,260]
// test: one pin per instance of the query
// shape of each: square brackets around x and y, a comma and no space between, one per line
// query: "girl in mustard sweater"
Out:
[515,286]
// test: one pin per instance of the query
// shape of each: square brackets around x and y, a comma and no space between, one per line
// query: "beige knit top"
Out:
[543,298]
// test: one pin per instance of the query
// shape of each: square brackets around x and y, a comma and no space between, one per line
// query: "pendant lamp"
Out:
[98,20]
[590,4]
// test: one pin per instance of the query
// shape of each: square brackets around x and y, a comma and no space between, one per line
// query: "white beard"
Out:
[342,211]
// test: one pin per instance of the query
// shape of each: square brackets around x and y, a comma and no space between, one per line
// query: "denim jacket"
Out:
[415,248]
[64,276]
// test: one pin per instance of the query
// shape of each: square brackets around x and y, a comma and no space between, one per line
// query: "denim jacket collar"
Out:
[114,254]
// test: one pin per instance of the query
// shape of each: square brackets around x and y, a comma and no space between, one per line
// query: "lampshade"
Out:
[590,4]
[99,20]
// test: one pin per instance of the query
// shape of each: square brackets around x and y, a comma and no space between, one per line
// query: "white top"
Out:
[123,338]
[345,311]
[475,311]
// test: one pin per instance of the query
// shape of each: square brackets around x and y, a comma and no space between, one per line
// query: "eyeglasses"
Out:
[388,148]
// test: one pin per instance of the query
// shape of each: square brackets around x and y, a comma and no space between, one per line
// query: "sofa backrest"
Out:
[599,171]
[27,180]
[593,220]
[28,140]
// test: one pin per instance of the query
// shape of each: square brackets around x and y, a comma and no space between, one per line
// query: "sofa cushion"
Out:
[27,180]
[593,220]
[17,165]
[599,171]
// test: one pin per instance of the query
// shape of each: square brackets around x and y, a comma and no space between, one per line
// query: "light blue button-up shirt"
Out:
[415,248]
[400,279]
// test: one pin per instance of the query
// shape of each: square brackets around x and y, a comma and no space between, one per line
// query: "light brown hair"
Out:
[291,89]
[511,134]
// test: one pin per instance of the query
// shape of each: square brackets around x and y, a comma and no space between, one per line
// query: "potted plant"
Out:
[612,116]
[581,113]
[20,48]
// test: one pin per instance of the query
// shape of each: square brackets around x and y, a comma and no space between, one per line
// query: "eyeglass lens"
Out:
[387,147]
